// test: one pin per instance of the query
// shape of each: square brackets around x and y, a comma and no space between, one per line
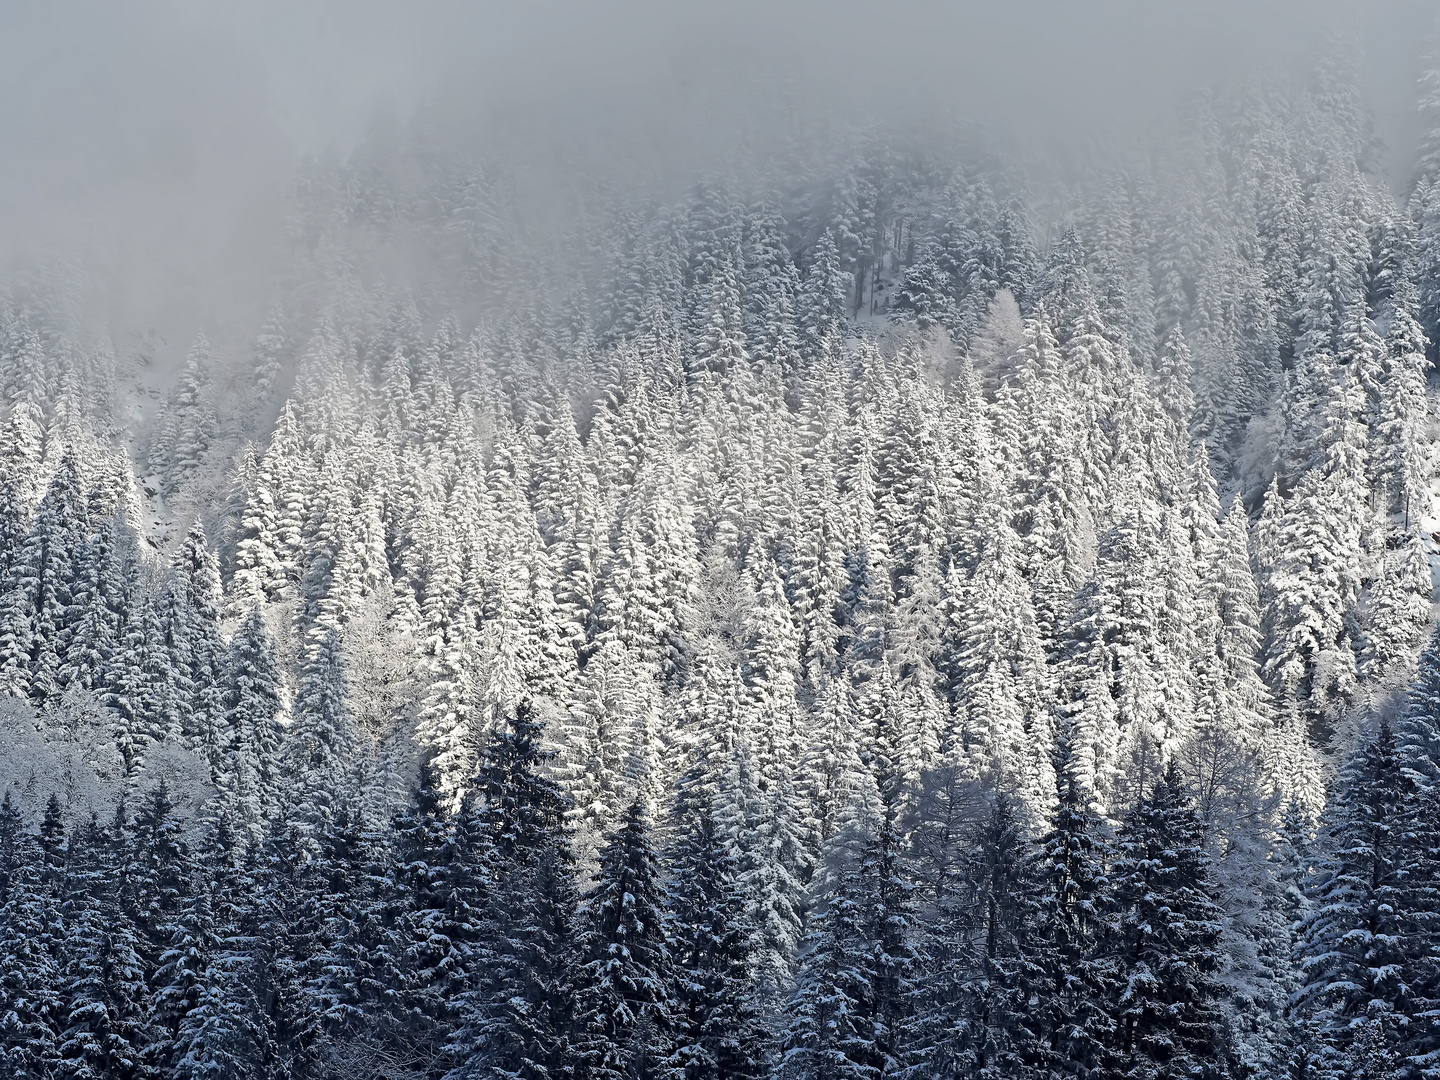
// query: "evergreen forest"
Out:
[875,612]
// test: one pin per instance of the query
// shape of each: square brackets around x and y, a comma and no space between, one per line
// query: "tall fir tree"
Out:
[718,1030]
[626,981]
[515,1017]
[1167,941]
[1353,955]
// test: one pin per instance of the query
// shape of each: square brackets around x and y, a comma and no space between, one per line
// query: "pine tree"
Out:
[1239,636]
[331,930]
[1167,940]
[251,700]
[37,592]
[626,981]
[849,1011]
[999,670]
[178,985]
[1315,581]
[518,1019]
[1125,680]
[1265,1035]
[771,290]
[1074,981]
[155,874]
[105,1033]
[824,298]
[320,742]
[718,1032]
[101,599]
[424,965]
[1419,736]
[199,574]
[515,1018]
[140,685]
[225,1032]
[1399,591]
[891,914]
[970,1013]
[30,984]
[187,422]
[52,855]
[927,291]
[266,554]
[14,513]
[831,1032]
[268,349]
[1353,953]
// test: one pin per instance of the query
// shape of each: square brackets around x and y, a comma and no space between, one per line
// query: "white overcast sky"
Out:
[174,123]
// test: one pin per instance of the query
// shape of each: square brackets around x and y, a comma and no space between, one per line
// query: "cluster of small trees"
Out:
[85,615]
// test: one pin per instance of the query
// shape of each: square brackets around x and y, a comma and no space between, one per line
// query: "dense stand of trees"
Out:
[467,942]
[810,630]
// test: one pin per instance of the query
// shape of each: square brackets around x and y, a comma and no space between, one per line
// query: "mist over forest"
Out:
[793,541]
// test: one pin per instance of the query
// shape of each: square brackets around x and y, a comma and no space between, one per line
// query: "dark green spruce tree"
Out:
[1419,748]
[1354,998]
[343,940]
[425,964]
[718,1031]
[626,981]
[848,1015]
[224,1030]
[1072,980]
[831,1032]
[1167,941]
[970,995]
[104,1034]
[515,1018]
[30,979]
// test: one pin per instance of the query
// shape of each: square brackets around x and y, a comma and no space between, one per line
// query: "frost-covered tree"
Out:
[1354,953]
[250,767]
[187,422]
[516,1017]
[35,607]
[320,741]
[625,1024]
[1167,939]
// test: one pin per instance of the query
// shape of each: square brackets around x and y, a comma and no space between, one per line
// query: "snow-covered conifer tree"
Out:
[1354,954]
[320,741]
[249,772]
[31,1004]
[1167,939]
[515,1017]
[625,1024]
